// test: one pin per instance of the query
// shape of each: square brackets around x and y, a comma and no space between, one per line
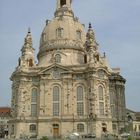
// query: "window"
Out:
[80,104]
[33,110]
[12,129]
[58,58]
[32,128]
[62,2]
[56,93]
[113,110]
[55,109]
[79,93]
[100,90]
[55,125]
[59,32]
[43,37]
[114,126]
[34,95]
[135,128]
[30,63]
[101,74]
[80,127]
[34,102]
[56,101]
[19,62]
[101,108]
[80,108]
[85,58]
[111,97]
[78,34]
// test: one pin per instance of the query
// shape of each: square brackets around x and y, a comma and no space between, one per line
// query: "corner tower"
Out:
[27,56]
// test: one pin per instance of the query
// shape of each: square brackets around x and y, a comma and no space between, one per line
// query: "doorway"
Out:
[104,127]
[55,130]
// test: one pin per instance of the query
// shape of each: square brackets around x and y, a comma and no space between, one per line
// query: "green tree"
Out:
[44,138]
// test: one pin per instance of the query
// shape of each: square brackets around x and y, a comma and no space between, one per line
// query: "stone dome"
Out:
[63,32]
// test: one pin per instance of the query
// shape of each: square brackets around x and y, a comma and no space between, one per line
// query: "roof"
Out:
[137,114]
[130,111]
[5,111]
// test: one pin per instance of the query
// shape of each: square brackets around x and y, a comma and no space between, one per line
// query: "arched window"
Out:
[100,90]
[101,74]
[43,37]
[34,102]
[59,32]
[101,108]
[80,127]
[112,97]
[85,58]
[79,93]
[101,100]
[62,2]
[58,58]
[30,62]
[19,62]
[34,95]
[56,97]
[80,104]
[113,110]
[12,129]
[56,93]
[32,128]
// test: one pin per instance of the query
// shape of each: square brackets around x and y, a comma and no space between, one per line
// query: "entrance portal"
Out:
[104,127]
[55,130]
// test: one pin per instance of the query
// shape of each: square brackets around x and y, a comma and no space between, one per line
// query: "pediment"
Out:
[55,68]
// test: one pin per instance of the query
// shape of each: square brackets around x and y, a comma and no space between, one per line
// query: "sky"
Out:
[116,24]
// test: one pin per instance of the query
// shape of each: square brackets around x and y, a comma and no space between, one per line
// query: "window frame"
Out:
[59,32]
[32,128]
[79,34]
[58,58]
[80,101]
[62,2]
[34,100]
[101,93]
[80,127]
[101,108]
[56,101]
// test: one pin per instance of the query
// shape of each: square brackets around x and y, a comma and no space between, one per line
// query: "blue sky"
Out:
[116,24]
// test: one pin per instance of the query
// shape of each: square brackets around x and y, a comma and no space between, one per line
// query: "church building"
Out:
[71,88]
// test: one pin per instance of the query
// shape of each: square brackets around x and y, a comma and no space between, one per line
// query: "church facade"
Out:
[72,87]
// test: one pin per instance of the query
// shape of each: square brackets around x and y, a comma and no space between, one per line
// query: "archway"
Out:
[55,130]
[104,127]
[63,2]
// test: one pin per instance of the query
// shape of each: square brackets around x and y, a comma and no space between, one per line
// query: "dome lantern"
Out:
[64,8]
